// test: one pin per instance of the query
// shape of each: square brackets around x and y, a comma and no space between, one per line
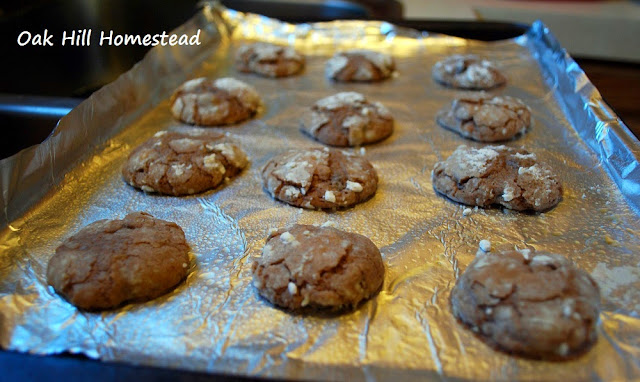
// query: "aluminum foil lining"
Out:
[216,322]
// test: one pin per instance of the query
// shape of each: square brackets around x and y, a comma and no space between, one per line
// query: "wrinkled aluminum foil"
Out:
[216,322]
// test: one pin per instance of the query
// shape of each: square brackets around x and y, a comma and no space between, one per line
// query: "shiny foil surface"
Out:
[216,322]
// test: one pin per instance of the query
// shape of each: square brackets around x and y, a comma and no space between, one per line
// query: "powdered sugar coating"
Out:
[342,99]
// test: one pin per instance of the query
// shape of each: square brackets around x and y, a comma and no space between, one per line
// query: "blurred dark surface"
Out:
[24,367]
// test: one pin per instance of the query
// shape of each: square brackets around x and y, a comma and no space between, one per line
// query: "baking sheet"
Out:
[215,321]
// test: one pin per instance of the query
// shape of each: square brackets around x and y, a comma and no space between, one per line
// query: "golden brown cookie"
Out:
[318,268]
[319,179]
[467,72]
[207,102]
[486,118]
[360,65]
[497,175]
[347,119]
[110,262]
[269,60]
[535,305]
[183,162]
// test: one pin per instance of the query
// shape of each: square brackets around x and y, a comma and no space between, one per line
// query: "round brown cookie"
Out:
[319,179]
[486,118]
[110,262]
[183,162]
[269,60]
[359,65]
[533,305]
[467,72]
[347,119]
[207,102]
[497,175]
[318,268]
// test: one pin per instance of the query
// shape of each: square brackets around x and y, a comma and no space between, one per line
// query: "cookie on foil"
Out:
[184,162]
[207,102]
[269,60]
[501,175]
[306,267]
[111,262]
[347,119]
[319,178]
[486,118]
[359,65]
[532,304]
[467,72]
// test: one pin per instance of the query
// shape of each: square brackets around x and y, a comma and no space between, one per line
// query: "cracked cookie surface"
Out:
[536,305]
[183,162]
[501,175]
[359,65]
[319,178]
[467,72]
[486,118]
[269,60]
[347,119]
[310,267]
[110,262]
[208,102]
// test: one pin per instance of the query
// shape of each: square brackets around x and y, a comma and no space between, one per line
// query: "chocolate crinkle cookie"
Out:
[347,119]
[110,262]
[535,305]
[208,102]
[183,162]
[497,175]
[309,268]
[269,60]
[467,72]
[319,179]
[360,65]
[486,118]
